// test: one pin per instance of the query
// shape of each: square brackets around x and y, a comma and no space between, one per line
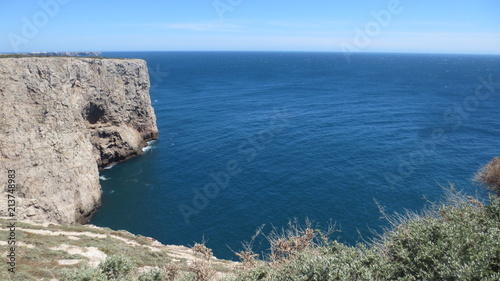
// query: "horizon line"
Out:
[259,51]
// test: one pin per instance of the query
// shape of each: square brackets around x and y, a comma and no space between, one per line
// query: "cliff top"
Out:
[45,251]
[16,56]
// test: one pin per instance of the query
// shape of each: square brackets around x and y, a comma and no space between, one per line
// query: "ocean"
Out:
[251,139]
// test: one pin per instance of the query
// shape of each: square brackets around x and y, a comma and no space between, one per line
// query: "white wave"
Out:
[149,147]
[109,167]
[103,178]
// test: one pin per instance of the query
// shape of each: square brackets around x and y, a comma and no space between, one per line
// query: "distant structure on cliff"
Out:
[62,54]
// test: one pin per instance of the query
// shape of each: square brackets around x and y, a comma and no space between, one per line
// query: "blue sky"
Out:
[418,26]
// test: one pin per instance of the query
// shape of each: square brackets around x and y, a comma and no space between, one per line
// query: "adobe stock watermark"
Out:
[247,152]
[223,6]
[32,25]
[454,117]
[157,76]
[363,36]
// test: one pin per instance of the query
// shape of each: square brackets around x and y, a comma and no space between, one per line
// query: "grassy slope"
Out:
[39,254]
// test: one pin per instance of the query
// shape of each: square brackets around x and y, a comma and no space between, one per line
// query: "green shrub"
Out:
[83,274]
[458,241]
[153,275]
[462,243]
[116,267]
[190,276]
[334,262]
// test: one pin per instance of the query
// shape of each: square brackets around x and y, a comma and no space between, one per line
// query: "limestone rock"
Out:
[61,120]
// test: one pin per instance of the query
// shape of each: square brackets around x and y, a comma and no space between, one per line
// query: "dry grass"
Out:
[201,250]
[489,175]
[248,258]
[283,249]
[202,269]
[296,238]
[171,271]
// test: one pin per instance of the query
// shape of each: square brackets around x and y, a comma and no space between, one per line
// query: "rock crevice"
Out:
[61,121]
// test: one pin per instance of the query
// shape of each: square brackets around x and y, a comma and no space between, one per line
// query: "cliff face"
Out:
[61,120]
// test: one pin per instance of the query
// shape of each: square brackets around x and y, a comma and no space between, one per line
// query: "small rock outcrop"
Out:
[63,119]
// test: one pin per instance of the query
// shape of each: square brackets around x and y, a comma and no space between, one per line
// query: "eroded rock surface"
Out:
[61,120]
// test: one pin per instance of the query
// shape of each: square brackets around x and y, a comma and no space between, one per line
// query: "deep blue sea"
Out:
[254,138]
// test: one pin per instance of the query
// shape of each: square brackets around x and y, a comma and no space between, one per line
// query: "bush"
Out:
[116,267]
[203,270]
[153,275]
[462,243]
[489,175]
[83,274]
[457,241]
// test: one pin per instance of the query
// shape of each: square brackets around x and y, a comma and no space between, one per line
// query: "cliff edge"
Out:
[63,119]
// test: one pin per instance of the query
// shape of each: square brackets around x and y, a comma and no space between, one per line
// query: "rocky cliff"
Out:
[61,120]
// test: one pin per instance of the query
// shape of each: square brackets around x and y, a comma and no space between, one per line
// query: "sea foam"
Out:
[149,147]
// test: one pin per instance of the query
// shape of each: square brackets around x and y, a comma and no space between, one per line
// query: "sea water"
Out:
[261,138]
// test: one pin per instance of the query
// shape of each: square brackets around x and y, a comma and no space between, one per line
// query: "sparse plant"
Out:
[116,267]
[247,257]
[202,250]
[84,274]
[489,175]
[202,270]
[154,274]
[189,276]
[285,244]
[171,271]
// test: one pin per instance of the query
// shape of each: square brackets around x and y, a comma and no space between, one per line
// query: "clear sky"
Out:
[428,26]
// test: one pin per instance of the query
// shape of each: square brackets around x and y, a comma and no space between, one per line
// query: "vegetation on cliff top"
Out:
[458,239]
[47,252]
